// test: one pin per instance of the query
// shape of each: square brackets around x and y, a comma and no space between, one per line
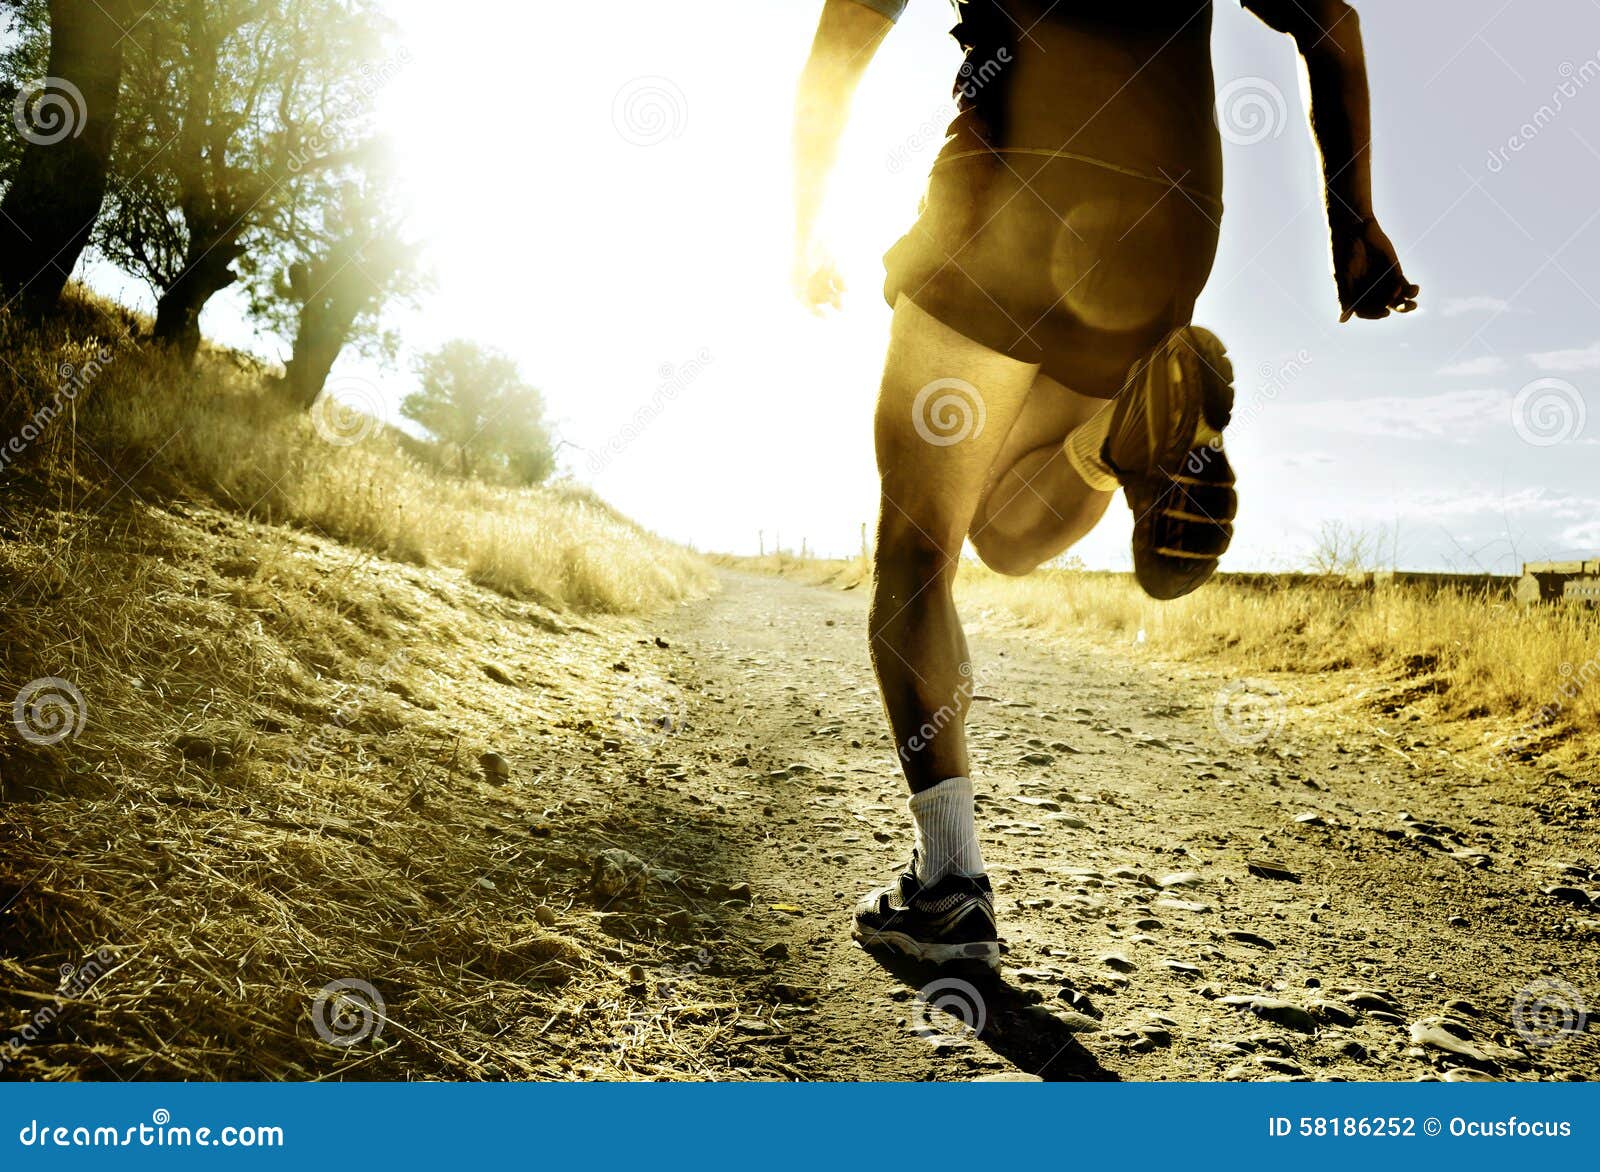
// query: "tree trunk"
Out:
[53,201]
[205,273]
[326,318]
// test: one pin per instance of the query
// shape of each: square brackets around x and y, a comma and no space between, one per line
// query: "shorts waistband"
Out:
[1132,172]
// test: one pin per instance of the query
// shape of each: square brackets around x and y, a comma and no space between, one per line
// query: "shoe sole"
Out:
[1195,375]
[986,952]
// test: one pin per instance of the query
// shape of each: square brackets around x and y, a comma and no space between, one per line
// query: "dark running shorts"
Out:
[1078,266]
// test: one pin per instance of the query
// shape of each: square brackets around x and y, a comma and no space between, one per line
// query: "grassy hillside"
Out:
[248,671]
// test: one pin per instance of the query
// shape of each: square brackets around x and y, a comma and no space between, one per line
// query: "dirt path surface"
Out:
[1305,897]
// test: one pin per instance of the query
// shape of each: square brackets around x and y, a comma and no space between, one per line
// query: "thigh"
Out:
[945,408]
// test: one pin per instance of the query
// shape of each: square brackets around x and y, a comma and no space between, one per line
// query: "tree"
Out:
[231,110]
[474,399]
[326,287]
[63,73]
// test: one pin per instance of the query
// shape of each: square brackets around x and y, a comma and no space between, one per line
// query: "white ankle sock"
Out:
[947,837]
[1083,447]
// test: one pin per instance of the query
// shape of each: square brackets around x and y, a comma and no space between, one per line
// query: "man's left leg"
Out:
[1035,505]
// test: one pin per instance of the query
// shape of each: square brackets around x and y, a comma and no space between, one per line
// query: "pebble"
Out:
[1182,905]
[1250,938]
[1271,869]
[1452,1037]
[1117,962]
[1284,1013]
[1037,758]
[1180,879]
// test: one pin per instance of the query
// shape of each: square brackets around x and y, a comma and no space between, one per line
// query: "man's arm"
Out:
[848,35]
[1328,36]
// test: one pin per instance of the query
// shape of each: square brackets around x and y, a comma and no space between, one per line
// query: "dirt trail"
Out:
[1323,903]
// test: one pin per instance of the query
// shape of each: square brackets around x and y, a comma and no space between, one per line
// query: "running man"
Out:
[1041,354]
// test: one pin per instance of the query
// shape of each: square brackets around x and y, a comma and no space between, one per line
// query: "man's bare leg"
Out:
[1035,505]
[945,409]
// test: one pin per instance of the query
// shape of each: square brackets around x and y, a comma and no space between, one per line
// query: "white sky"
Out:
[605,265]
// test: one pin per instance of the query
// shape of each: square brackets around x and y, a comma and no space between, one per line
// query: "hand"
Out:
[1367,272]
[816,278]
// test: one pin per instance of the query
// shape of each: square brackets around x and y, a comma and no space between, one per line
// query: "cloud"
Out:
[1587,358]
[1488,364]
[1446,415]
[1584,536]
[1456,306]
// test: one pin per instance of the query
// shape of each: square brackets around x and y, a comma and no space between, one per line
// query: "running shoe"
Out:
[948,921]
[1165,445]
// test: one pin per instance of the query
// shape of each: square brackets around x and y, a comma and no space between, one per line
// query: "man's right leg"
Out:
[945,408]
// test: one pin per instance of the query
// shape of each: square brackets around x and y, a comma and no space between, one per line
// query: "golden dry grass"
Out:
[1534,672]
[275,661]
[220,432]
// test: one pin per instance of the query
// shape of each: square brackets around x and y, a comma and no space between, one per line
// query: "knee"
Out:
[906,550]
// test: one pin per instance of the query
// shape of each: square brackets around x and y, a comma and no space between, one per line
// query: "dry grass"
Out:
[220,432]
[1532,672]
[277,661]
